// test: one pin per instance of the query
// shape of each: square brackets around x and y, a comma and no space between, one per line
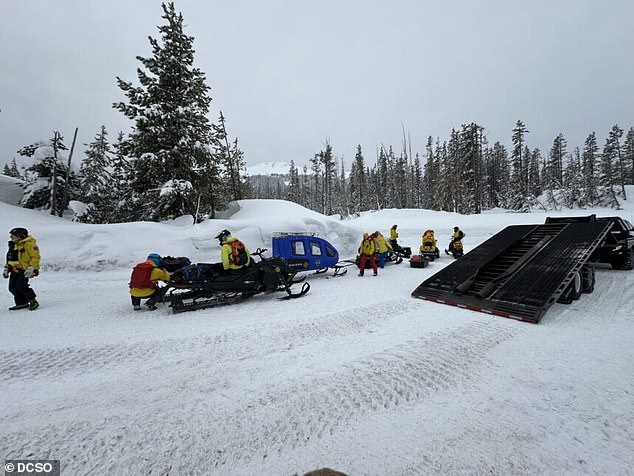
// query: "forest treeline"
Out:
[176,162]
[464,174]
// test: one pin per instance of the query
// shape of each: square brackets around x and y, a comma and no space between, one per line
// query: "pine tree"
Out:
[573,180]
[293,194]
[47,176]
[497,176]
[628,155]
[95,180]
[329,165]
[608,178]
[553,171]
[590,169]
[519,194]
[358,182]
[11,170]
[124,200]
[172,140]
[231,158]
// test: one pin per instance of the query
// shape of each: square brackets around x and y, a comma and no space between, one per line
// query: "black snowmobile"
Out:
[204,285]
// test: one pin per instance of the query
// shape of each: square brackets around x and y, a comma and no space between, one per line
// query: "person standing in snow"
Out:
[384,247]
[367,249]
[22,264]
[144,282]
[394,237]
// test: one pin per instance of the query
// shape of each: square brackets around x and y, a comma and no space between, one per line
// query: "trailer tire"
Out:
[588,277]
[573,290]
[628,260]
[576,286]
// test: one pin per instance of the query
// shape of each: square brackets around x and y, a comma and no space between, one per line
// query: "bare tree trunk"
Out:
[66,185]
[54,176]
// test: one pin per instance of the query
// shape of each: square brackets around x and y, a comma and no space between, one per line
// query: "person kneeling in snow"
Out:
[144,282]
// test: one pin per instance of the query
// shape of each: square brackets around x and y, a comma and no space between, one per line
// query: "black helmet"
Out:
[19,232]
[455,228]
[393,226]
[223,235]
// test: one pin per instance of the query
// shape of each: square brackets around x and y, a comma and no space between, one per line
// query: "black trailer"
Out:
[521,271]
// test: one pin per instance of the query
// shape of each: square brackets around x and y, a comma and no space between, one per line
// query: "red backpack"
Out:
[141,275]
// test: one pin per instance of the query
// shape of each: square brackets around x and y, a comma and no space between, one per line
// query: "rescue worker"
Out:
[144,282]
[457,235]
[394,237]
[367,249]
[384,247]
[428,242]
[229,255]
[22,264]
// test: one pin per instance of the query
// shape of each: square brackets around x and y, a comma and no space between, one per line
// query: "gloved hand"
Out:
[28,272]
[5,273]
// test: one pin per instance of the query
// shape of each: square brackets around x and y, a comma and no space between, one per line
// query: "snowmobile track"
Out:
[221,348]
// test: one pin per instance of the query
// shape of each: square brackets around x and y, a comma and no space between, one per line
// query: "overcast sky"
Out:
[291,75]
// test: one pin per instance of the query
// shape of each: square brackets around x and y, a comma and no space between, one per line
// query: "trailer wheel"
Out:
[588,278]
[572,292]
[625,262]
[576,286]
[628,260]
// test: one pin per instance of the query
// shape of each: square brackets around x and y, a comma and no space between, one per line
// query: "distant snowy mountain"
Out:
[269,168]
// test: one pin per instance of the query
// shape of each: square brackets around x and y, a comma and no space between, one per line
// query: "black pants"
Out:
[20,288]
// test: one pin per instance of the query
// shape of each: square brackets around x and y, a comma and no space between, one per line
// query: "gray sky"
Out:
[289,75]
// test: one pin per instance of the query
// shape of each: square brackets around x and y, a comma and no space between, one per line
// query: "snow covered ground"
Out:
[356,375]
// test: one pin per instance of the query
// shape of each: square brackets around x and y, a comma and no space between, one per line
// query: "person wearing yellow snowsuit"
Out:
[367,249]
[394,237]
[384,247]
[144,285]
[22,264]
[428,242]
[226,252]
[457,236]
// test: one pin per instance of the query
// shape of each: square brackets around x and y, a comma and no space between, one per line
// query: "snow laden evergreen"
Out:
[175,171]
[96,179]
[49,183]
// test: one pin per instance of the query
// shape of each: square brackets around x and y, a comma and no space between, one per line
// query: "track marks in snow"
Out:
[283,415]
[239,344]
[401,376]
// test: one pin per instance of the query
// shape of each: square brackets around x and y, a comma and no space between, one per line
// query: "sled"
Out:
[419,261]
[308,252]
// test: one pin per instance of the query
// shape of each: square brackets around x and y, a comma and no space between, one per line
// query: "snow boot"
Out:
[150,306]
[136,307]
[33,304]
[17,307]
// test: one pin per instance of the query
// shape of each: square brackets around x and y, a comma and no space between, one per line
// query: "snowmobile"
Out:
[205,285]
[307,252]
[428,246]
[455,248]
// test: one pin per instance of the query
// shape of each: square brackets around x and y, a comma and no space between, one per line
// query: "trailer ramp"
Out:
[517,273]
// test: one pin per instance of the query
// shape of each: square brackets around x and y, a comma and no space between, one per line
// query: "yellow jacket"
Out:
[28,255]
[393,234]
[368,246]
[157,274]
[226,255]
[384,245]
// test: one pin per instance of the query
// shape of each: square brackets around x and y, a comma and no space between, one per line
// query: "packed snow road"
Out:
[356,375]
